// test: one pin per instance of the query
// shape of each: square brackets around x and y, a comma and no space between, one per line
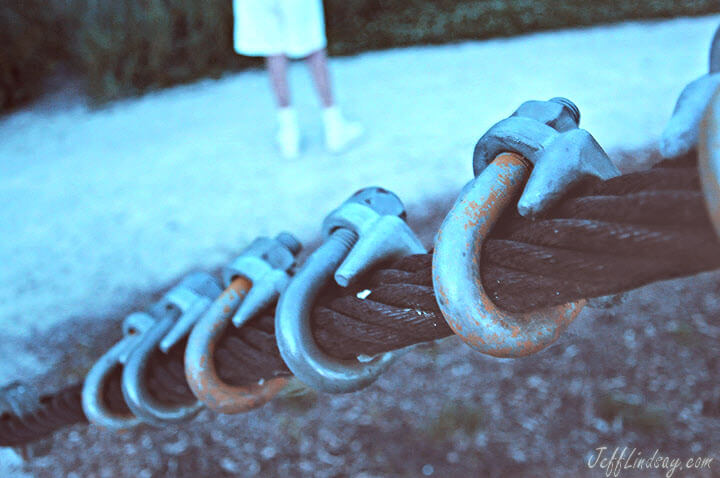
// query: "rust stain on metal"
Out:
[709,160]
[468,310]
[200,369]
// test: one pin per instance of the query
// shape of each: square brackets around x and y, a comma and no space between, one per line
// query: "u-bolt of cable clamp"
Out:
[254,281]
[365,230]
[93,402]
[466,306]
[177,311]
[709,157]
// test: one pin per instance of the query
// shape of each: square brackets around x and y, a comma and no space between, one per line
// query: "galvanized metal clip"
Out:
[366,229]
[93,402]
[715,52]
[253,281]
[177,311]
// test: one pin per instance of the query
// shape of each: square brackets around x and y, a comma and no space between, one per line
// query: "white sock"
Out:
[339,132]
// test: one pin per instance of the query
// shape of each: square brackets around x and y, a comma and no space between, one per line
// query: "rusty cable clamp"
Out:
[695,124]
[253,282]
[709,159]
[683,131]
[709,142]
[545,134]
[367,229]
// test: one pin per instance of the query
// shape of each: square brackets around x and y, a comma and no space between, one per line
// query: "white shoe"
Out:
[288,135]
[339,132]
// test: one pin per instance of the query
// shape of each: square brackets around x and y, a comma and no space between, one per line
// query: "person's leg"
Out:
[288,136]
[317,62]
[277,66]
[339,132]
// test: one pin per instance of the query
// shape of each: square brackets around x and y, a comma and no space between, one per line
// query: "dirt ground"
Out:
[641,374]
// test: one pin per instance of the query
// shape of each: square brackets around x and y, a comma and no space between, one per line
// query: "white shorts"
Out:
[295,28]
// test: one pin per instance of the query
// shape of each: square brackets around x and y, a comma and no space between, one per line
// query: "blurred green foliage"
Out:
[125,47]
[358,25]
[633,412]
[685,334]
[453,417]
[32,35]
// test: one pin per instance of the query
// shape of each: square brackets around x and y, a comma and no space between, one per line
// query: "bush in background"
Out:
[128,47]
[125,47]
[32,41]
[359,25]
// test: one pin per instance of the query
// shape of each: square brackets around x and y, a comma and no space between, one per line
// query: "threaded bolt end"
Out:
[343,237]
[289,241]
[574,110]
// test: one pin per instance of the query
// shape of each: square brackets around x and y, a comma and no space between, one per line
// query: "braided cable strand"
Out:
[606,237]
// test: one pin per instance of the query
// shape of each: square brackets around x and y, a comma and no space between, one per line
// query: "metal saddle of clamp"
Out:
[527,132]
[253,282]
[93,402]
[177,312]
[366,229]
[266,263]
[546,133]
